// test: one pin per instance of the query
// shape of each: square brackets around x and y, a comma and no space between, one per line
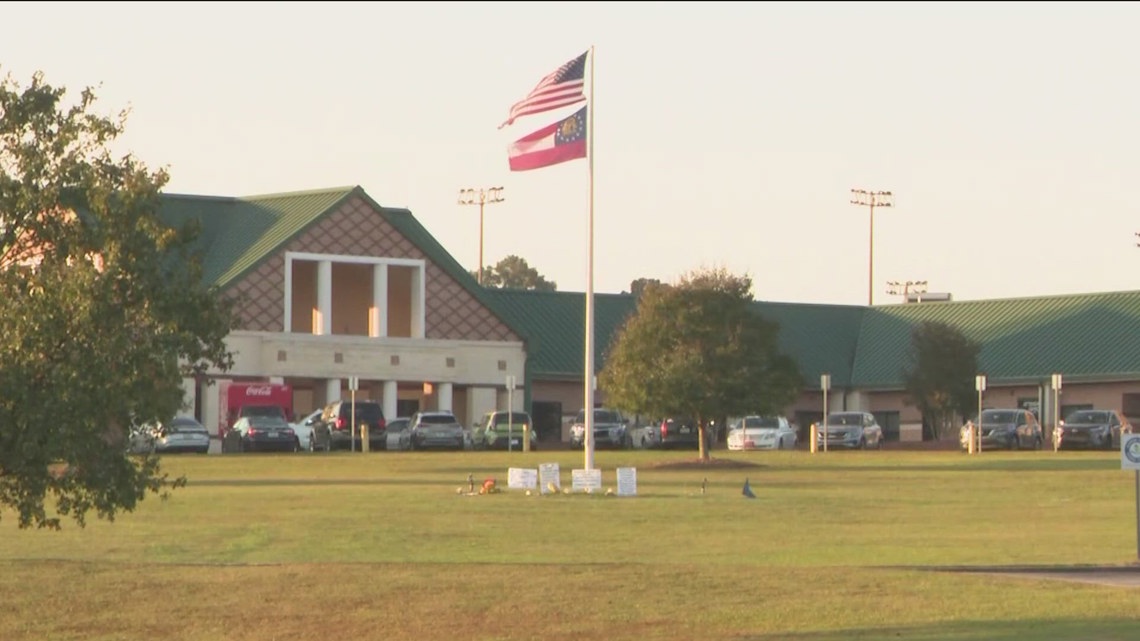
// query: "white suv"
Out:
[611,429]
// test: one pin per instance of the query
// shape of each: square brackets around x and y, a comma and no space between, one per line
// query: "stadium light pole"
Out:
[481,197]
[906,288]
[871,200]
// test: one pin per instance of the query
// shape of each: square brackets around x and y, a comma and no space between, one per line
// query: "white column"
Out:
[189,394]
[389,401]
[378,313]
[445,392]
[417,307]
[480,400]
[332,390]
[211,409]
[287,320]
[323,325]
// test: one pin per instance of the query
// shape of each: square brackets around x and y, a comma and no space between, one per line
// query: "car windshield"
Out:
[760,421]
[267,421]
[999,417]
[398,425]
[364,411]
[503,419]
[186,425]
[437,419]
[600,416]
[845,419]
[1088,416]
[262,410]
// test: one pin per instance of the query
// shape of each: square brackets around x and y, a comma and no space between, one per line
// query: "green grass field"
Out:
[380,546]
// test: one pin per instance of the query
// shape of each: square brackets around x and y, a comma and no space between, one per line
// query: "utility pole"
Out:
[871,200]
[906,288]
[481,197]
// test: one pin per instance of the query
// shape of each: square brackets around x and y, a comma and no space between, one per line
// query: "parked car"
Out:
[850,430]
[334,429]
[303,430]
[761,433]
[180,434]
[264,434]
[398,435]
[1010,429]
[611,430]
[436,429]
[1091,429]
[503,430]
[676,431]
[646,436]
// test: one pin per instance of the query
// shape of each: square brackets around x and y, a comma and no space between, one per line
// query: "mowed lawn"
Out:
[843,545]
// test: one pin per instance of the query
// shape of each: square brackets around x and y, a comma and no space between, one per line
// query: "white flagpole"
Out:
[589,356]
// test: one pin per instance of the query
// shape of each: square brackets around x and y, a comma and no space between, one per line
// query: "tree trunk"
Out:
[702,437]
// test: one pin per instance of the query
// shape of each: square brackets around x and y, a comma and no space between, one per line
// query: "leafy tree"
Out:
[513,272]
[638,285]
[698,349]
[104,311]
[940,375]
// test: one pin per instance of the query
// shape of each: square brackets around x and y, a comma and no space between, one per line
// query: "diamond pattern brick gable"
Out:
[358,229]
[262,296]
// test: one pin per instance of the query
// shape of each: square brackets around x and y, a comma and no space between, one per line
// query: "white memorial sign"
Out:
[627,481]
[549,475]
[521,478]
[582,480]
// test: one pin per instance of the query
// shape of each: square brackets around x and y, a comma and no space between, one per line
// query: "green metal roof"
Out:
[556,326]
[820,337]
[1083,336]
[239,233]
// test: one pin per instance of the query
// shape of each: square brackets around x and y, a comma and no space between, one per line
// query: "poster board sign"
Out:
[586,480]
[627,481]
[522,478]
[1130,452]
[549,476]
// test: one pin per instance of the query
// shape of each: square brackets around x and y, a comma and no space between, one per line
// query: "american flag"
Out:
[558,89]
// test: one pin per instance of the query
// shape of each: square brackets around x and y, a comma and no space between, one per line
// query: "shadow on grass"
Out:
[282,482]
[1031,630]
[971,465]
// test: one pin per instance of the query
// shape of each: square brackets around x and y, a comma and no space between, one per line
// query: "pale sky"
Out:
[726,135]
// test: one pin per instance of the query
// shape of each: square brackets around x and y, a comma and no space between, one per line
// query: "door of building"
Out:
[547,417]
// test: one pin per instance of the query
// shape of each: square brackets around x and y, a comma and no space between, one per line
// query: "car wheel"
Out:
[1108,442]
[862,443]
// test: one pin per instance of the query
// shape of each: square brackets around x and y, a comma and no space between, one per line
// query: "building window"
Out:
[1130,405]
[1069,409]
